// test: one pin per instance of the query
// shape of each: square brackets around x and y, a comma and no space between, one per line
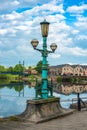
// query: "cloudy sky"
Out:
[20,23]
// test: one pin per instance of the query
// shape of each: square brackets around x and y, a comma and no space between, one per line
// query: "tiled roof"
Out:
[62,65]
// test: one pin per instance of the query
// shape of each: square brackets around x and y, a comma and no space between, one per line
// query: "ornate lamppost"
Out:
[44,29]
[43,108]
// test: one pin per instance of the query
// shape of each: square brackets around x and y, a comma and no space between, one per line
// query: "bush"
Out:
[59,79]
[3,76]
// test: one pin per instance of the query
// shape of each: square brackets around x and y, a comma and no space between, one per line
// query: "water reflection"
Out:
[67,100]
[68,89]
[69,93]
[13,98]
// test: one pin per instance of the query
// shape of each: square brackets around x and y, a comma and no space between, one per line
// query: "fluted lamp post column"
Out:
[44,52]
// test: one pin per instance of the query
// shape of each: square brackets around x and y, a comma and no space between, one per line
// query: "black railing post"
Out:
[78,102]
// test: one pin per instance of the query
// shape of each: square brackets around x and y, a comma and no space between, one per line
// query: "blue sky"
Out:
[20,23]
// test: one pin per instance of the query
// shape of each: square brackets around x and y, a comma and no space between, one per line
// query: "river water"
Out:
[13,98]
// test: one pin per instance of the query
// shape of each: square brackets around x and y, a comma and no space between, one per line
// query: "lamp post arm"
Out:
[42,51]
[49,52]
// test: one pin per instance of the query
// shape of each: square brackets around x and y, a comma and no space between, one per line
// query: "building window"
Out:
[80,70]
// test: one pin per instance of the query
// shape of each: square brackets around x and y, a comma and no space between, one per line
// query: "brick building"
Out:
[66,69]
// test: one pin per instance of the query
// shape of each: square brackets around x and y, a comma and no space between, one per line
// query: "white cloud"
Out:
[7,6]
[45,9]
[7,31]
[75,31]
[81,25]
[75,51]
[14,15]
[3,31]
[57,18]
[53,8]
[15,3]
[79,51]
[24,49]
[82,37]
[82,18]
[55,56]
[21,27]
[77,9]
[8,54]
[18,29]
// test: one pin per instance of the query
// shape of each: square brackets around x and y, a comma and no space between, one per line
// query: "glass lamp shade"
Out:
[44,28]
[53,47]
[34,43]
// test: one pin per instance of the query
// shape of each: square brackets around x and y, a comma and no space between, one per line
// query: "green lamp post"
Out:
[44,52]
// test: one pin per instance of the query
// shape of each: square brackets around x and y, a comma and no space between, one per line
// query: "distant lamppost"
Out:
[44,52]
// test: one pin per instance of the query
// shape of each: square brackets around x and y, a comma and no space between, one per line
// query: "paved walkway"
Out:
[75,121]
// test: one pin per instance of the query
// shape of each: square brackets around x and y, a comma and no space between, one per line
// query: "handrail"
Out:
[71,100]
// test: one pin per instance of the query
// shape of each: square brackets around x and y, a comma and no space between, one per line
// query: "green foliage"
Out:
[12,77]
[4,81]
[59,79]
[3,76]
[19,88]
[10,69]
[2,68]
[13,118]
[75,80]
[71,80]
[29,67]
[39,67]
[18,68]
[32,78]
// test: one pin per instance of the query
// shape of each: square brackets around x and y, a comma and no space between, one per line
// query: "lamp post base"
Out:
[43,110]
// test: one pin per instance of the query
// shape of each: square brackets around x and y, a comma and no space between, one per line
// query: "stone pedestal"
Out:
[43,109]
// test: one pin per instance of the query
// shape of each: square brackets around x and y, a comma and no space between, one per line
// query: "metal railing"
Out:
[72,100]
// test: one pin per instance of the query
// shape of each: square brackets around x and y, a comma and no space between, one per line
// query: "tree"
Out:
[10,69]
[59,79]
[18,68]
[2,68]
[19,88]
[39,67]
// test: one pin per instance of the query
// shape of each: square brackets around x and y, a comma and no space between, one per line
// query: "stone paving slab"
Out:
[75,121]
